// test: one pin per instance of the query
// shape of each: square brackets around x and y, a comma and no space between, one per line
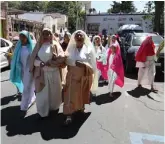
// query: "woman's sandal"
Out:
[154,90]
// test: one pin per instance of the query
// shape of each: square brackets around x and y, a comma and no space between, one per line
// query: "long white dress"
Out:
[28,95]
[147,71]
[50,97]
[111,74]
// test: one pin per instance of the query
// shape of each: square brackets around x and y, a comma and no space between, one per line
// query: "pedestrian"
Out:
[81,63]
[101,58]
[108,43]
[19,74]
[114,41]
[56,37]
[115,70]
[67,37]
[145,61]
[46,63]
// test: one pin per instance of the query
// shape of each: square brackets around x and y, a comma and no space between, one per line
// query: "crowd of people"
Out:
[51,72]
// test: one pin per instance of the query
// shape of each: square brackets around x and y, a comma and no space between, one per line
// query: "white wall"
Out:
[112,22]
[37,16]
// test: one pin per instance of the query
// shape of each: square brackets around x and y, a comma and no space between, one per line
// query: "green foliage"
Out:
[124,7]
[28,5]
[71,8]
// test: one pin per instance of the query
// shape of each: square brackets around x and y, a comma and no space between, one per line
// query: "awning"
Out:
[12,11]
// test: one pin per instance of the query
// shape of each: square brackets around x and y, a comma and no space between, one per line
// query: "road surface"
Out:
[116,120]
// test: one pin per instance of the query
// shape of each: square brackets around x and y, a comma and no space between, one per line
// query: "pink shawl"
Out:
[116,66]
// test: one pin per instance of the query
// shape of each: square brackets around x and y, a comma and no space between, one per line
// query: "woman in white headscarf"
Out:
[100,57]
[81,76]
[46,62]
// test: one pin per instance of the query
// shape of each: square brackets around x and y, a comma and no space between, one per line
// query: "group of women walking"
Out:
[48,69]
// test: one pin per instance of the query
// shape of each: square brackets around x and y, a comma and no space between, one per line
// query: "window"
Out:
[137,40]
[157,39]
[4,44]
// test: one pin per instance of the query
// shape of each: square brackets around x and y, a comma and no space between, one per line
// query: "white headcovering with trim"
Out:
[89,50]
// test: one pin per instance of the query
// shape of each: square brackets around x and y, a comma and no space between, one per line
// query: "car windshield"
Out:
[137,40]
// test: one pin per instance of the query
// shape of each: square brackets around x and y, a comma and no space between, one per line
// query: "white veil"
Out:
[97,36]
[90,50]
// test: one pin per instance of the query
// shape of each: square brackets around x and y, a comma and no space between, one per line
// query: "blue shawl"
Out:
[16,71]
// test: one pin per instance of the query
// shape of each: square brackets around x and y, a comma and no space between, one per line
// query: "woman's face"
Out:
[66,39]
[23,39]
[113,39]
[113,48]
[79,38]
[97,41]
[46,35]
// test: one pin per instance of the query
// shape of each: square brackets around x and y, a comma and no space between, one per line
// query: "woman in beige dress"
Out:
[46,62]
[81,62]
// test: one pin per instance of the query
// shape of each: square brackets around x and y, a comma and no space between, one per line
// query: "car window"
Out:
[157,39]
[137,40]
[4,44]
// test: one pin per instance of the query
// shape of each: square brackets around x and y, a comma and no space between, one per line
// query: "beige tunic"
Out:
[50,96]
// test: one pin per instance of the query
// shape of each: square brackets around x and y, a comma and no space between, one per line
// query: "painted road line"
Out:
[137,138]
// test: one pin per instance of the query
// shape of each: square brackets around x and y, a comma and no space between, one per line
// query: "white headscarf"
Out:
[97,36]
[89,49]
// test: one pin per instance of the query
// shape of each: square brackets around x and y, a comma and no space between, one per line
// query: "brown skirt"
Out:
[77,89]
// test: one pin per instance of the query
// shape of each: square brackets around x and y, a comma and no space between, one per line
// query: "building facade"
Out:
[3,18]
[55,21]
[97,23]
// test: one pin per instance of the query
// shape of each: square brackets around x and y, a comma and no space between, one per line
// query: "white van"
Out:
[129,28]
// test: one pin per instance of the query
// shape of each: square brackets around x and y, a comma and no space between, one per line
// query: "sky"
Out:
[103,6]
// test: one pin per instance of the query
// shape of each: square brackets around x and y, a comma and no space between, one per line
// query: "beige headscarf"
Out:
[38,72]
[38,46]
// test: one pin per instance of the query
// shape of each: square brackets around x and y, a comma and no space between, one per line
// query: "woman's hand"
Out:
[42,64]
[79,64]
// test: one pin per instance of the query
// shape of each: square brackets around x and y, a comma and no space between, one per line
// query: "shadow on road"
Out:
[7,99]
[138,92]
[105,98]
[51,128]
[159,77]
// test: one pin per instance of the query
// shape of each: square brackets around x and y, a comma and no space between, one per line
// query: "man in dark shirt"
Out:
[67,37]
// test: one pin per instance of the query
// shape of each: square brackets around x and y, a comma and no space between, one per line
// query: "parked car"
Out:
[5,46]
[131,46]
[124,30]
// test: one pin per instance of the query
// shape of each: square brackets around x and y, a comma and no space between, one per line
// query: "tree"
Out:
[14,4]
[159,16]
[155,11]
[128,7]
[124,7]
[28,5]
[116,7]
[71,8]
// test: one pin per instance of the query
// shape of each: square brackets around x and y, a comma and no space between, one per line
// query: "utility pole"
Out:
[85,19]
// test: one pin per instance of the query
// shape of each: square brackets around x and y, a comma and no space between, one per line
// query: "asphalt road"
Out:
[107,121]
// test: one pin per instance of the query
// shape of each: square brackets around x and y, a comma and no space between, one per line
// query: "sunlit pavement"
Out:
[131,115]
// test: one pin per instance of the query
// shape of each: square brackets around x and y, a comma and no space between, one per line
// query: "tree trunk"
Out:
[158,5]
